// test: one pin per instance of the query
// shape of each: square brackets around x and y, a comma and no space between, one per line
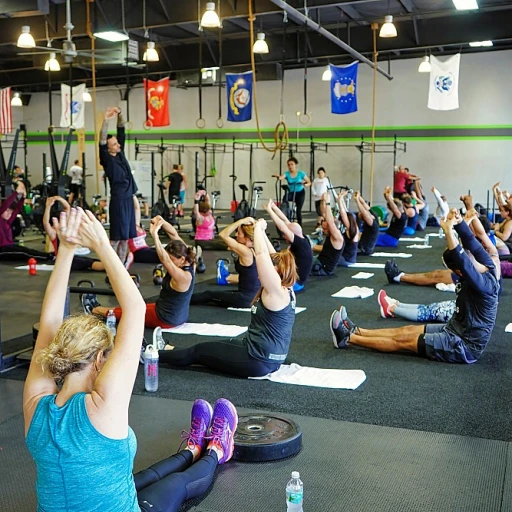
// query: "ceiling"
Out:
[424,26]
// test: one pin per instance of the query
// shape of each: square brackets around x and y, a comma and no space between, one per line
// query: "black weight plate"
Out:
[265,437]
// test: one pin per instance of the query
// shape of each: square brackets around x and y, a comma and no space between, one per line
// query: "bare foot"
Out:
[168,347]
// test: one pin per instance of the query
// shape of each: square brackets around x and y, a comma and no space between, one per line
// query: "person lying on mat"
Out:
[299,244]
[351,233]
[370,228]
[172,306]
[245,265]
[330,252]
[81,381]
[391,236]
[464,337]
[79,262]
[268,338]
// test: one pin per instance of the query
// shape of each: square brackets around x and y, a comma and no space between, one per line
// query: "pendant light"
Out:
[16,100]
[52,64]
[327,74]
[210,18]
[260,45]
[26,40]
[388,29]
[425,66]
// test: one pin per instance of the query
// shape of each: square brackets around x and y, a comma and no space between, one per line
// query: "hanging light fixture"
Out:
[52,64]
[210,18]
[425,66]
[26,40]
[16,100]
[327,74]
[151,55]
[87,96]
[260,45]
[388,29]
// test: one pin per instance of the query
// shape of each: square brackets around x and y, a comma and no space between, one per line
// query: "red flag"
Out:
[157,99]
[5,110]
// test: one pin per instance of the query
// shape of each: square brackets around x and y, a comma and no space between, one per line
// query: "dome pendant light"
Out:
[388,29]
[151,55]
[26,40]
[425,66]
[52,64]
[260,45]
[210,18]
[327,74]
[16,100]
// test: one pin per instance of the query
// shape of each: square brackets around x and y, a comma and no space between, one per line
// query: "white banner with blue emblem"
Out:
[73,105]
[344,88]
[239,90]
[443,93]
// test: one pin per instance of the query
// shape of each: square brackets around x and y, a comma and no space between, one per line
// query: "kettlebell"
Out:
[201,267]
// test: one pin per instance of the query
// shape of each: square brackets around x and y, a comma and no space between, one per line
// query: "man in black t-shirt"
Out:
[299,245]
[173,183]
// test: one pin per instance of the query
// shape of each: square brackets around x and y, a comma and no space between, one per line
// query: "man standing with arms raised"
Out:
[122,185]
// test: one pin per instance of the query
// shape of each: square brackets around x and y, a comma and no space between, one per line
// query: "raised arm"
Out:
[343,208]
[197,200]
[269,278]
[334,232]
[388,196]
[279,220]
[498,195]
[419,202]
[168,228]
[364,209]
[50,201]
[242,250]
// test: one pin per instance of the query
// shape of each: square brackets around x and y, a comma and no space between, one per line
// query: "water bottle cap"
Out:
[151,352]
[295,474]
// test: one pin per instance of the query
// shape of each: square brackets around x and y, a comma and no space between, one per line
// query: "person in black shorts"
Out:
[370,228]
[122,185]
[464,338]
[299,244]
[266,344]
[173,183]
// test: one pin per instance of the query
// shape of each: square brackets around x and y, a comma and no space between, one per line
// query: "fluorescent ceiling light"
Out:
[260,45]
[425,66]
[478,44]
[151,55]
[388,29]
[210,18]
[327,75]
[465,5]
[16,100]
[87,96]
[112,36]
[52,64]
[26,40]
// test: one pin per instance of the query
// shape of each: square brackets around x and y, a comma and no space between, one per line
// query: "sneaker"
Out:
[201,417]
[158,338]
[222,432]
[158,274]
[341,327]
[222,272]
[384,305]
[392,271]
[89,302]
[129,260]
[142,350]
[298,287]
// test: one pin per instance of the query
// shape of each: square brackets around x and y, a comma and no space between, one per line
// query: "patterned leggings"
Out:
[435,312]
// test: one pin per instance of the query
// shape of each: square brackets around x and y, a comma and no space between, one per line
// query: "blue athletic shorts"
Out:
[182,196]
[385,240]
[439,344]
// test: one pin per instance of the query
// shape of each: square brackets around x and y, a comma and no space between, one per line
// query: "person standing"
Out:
[122,185]
[183,188]
[318,188]
[173,184]
[77,175]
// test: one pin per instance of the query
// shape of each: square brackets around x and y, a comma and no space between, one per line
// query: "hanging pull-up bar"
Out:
[300,18]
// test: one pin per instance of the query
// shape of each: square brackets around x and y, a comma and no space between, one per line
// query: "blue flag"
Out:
[344,88]
[239,89]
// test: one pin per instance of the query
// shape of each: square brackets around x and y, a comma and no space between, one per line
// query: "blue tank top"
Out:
[248,280]
[79,469]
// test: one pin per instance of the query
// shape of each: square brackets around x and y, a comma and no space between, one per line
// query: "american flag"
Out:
[5,110]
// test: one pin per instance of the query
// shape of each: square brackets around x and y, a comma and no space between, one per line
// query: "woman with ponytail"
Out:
[268,338]
[172,306]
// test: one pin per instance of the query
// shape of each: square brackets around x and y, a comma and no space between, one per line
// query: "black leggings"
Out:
[146,255]
[16,252]
[82,263]
[223,299]
[227,356]
[164,486]
[300,197]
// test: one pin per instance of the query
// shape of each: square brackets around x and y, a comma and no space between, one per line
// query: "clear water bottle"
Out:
[294,493]
[111,322]
[151,369]
[441,233]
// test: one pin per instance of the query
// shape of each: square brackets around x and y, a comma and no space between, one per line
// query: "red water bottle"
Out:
[32,267]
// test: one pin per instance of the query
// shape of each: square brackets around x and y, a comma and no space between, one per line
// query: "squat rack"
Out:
[6,170]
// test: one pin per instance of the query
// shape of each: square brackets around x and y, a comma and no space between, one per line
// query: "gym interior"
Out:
[415,434]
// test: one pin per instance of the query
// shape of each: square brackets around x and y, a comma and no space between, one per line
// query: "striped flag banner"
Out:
[5,111]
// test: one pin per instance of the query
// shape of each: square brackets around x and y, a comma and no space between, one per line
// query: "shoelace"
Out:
[219,429]
[192,437]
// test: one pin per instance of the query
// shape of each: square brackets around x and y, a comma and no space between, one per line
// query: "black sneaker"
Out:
[392,271]
[89,302]
[341,327]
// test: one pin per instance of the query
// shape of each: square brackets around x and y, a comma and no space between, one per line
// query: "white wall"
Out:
[454,166]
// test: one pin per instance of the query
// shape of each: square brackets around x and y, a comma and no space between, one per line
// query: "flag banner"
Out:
[344,88]
[157,98]
[72,101]
[239,90]
[5,111]
[443,93]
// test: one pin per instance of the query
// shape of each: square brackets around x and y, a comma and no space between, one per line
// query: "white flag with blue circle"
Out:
[72,106]
[344,88]
[443,93]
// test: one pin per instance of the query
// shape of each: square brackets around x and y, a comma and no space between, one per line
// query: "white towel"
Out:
[363,275]
[445,287]
[248,310]
[44,267]
[418,246]
[412,239]
[354,292]
[391,255]
[366,265]
[226,331]
[316,377]
[508,328]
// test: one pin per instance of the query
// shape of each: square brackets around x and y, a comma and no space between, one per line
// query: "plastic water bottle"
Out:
[111,322]
[427,240]
[32,266]
[294,493]
[151,369]
[441,233]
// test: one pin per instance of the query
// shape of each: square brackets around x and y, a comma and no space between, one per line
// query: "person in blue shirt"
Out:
[466,334]
[297,180]
[77,393]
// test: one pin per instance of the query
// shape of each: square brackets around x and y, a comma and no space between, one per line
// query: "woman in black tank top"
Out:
[351,234]
[247,277]
[268,338]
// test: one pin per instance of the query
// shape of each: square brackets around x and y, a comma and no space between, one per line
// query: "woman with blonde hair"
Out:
[77,393]
[268,338]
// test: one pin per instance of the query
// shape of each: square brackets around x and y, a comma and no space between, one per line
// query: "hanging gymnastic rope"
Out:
[280,137]
[305,118]
[375,27]
[200,122]
[220,122]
